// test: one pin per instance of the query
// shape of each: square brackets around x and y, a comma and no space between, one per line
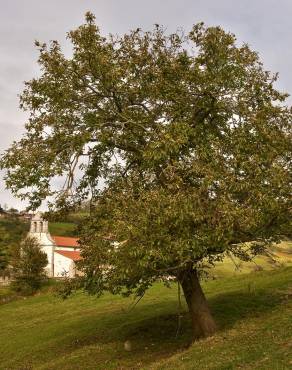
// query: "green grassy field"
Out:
[62,228]
[253,312]
[280,255]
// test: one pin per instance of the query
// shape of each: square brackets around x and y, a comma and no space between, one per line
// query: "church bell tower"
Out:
[38,225]
[39,230]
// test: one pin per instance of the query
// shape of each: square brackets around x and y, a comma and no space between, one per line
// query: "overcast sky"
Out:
[265,24]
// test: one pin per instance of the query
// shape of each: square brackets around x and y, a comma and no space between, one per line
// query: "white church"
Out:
[62,252]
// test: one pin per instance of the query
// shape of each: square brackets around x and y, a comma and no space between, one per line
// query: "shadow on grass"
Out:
[236,306]
[155,337]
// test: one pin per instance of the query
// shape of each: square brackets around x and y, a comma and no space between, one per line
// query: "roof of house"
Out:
[73,255]
[65,241]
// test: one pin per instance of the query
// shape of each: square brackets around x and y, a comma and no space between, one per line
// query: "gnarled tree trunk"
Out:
[203,324]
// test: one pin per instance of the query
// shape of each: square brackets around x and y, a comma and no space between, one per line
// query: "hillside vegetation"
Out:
[62,228]
[253,311]
[279,255]
[12,229]
[69,225]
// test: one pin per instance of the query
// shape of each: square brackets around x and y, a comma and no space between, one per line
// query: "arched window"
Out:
[41,227]
[35,225]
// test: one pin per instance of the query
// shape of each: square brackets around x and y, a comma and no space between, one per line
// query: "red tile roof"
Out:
[73,255]
[65,241]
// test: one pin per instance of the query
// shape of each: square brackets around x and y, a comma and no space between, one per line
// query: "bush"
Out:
[28,267]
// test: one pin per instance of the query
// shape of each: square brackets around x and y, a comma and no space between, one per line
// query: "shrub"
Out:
[28,267]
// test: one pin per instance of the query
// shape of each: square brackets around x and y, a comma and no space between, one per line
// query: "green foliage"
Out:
[28,264]
[12,231]
[181,141]
[3,250]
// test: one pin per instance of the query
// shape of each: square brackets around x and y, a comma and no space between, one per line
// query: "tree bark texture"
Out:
[203,324]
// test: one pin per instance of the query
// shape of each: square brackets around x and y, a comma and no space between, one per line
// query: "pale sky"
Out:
[264,24]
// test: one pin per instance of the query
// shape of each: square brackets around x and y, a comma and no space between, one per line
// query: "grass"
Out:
[253,312]
[62,228]
[69,226]
[281,255]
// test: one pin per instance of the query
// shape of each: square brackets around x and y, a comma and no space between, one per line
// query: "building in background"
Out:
[62,252]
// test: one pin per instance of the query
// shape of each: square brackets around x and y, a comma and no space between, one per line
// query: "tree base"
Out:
[203,324]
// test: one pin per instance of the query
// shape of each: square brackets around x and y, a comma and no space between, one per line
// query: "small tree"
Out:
[188,139]
[28,264]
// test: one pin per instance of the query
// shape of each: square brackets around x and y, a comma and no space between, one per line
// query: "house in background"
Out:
[62,252]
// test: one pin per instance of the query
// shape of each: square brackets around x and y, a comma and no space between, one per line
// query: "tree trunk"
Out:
[203,324]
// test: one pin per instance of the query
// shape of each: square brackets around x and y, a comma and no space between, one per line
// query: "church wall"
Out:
[66,248]
[47,246]
[49,252]
[63,266]
[58,265]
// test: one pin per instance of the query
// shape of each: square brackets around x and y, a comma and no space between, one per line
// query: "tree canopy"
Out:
[181,141]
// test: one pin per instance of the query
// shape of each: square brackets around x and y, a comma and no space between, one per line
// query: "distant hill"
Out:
[63,228]
[67,226]
[12,230]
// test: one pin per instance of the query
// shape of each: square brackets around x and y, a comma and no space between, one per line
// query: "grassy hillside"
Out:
[12,229]
[68,227]
[253,312]
[15,229]
[280,255]
[62,228]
